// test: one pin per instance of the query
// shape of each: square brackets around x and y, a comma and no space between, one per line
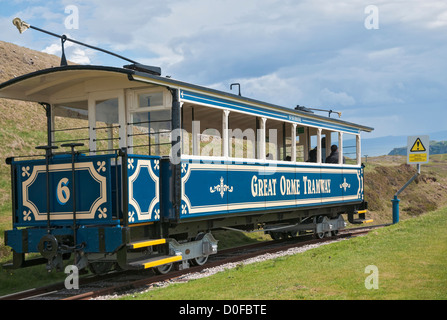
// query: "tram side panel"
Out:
[243,187]
[352,184]
[204,189]
[144,186]
[228,187]
[93,191]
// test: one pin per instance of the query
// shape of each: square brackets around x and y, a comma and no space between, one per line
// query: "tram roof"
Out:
[41,85]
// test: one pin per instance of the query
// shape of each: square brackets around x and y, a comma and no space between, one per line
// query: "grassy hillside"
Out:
[385,175]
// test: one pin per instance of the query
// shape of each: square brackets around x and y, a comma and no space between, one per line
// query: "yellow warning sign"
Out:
[418,146]
[415,157]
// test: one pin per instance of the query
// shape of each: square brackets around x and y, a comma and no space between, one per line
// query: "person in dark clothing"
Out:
[333,157]
[312,155]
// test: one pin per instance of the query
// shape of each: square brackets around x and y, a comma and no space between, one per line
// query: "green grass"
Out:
[23,279]
[411,258]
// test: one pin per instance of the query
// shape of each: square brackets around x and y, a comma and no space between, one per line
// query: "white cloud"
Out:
[271,88]
[55,49]
[79,56]
[439,22]
[336,98]
[73,52]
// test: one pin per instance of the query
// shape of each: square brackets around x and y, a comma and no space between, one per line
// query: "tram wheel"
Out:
[320,235]
[199,261]
[164,269]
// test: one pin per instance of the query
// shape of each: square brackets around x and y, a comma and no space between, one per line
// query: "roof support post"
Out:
[319,145]
[261,140]
[340,147]
[49,114]
[225,132]
[358,150]
[293,142]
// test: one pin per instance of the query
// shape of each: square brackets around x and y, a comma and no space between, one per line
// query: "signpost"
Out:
[417,153]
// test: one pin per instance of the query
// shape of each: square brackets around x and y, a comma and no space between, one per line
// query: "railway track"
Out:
[122,282]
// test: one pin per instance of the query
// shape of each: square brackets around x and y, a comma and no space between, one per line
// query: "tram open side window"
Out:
[329,144]
[351,148]
[301,141]
[278,140]
[201,131]
[242,135]
[313,145]
[286,149]
[70,124]
[330,152]
[186,123]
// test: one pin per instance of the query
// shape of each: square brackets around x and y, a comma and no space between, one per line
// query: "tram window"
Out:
[70,123]
[350,148]
[107,125]
[150,132]
[150,122]
[153,99]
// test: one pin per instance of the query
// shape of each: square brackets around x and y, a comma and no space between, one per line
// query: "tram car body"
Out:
[147,166]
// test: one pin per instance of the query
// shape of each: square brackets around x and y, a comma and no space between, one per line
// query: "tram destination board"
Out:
[418,149]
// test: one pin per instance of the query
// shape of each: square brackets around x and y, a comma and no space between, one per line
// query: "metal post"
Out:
[396,201]
[47,177]
[48,155]
[125,186]
[176,178]
[73,177]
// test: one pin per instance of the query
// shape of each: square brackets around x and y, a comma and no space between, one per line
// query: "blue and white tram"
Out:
[138,169]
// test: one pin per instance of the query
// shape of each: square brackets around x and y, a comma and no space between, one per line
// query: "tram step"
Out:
[145,243]
[361,217]
[155,262]
[362,221]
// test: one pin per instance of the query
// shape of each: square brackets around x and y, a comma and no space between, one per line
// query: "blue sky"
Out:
[384,68]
